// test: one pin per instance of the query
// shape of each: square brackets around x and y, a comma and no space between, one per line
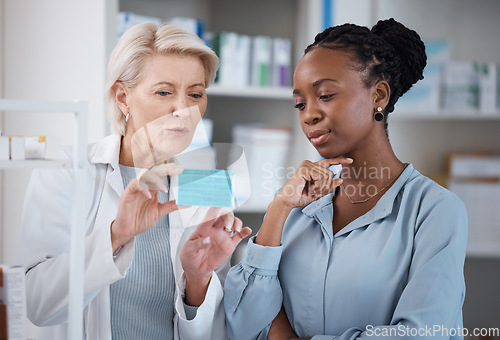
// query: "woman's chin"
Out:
[328,153]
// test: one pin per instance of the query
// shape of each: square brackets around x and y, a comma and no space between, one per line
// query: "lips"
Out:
[178,131]
[318,137]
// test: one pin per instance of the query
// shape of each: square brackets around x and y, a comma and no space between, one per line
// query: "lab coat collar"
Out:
[107,151]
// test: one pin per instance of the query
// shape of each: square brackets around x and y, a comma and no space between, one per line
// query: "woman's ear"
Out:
[121,93]
[381,94]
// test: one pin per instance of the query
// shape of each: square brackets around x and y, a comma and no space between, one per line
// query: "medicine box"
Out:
[17,149]
[41,147]
[12,303]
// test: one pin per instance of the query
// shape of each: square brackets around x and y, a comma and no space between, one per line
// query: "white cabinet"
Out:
[77,252]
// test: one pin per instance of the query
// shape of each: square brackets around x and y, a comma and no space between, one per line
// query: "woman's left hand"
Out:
[207,248]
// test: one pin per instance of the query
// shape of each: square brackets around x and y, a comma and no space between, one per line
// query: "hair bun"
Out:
[408,45]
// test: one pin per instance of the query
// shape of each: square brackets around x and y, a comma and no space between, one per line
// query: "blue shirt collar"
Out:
[322,209]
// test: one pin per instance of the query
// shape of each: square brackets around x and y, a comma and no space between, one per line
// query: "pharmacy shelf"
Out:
[79,110]
[483,251]
[35,163]
[445,116]
[251,209]
[282,93]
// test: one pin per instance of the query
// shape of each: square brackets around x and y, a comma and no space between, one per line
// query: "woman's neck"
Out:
[375,165]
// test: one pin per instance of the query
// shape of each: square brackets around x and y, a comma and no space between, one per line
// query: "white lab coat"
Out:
[45,243]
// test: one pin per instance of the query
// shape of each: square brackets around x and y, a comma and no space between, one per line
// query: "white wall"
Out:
[52,50]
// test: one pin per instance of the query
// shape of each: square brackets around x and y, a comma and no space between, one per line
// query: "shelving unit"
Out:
[301,20]
[31,164]
[251,92]
[77,253]
[418,137]
[446,116]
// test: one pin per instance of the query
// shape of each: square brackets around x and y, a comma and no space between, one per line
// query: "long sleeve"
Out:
[44,248]
[430,304]
[253,295]
[209,321]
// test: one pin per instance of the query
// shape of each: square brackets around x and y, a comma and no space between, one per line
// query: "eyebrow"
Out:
[197,84]
[317,83]
[172,84]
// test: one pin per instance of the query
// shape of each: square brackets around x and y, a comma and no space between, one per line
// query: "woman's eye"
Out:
[299,106]
[325,96]
[196,95]
[162,93]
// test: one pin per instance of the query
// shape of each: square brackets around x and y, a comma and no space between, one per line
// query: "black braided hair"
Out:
[389,51]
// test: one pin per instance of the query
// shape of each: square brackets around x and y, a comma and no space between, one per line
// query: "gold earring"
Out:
[379,116]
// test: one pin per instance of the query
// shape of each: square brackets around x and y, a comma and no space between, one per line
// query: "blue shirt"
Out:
[395,271]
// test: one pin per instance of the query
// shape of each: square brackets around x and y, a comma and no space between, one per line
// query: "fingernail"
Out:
[238,227]
[229,225]
[149,194]
[350,159]
[206,240]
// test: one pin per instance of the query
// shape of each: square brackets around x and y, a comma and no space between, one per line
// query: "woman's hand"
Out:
[139,209]
[310,182]
[207,248]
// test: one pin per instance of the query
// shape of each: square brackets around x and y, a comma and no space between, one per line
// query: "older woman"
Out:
[151,271]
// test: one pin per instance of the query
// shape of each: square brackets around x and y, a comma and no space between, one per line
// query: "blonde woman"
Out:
[152,270]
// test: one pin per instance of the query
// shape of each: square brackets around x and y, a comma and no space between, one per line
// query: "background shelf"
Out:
[38,163]
[445,115]
[284,93]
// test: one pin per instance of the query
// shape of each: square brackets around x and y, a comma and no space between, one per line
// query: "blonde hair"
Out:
[138,43]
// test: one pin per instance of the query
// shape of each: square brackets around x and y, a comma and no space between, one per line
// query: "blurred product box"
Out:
[482,201]
[33,147]
[474,166]
[475,178]
[12,303]
[233,51]
[281,62]
[193,25]
[266,150]
[42,147]
[17,148]
[126,20]
[425,95]
[438,51]
[4,148]
[460,87]
[261,61]
[488,87]
[251,60]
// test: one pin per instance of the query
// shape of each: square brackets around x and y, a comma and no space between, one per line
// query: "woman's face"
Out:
[335,108]
[165,107]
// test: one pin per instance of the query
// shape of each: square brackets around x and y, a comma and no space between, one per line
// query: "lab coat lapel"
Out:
[108,178]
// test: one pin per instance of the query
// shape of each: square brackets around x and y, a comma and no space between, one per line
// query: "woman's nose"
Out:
[312,115]
[181,108]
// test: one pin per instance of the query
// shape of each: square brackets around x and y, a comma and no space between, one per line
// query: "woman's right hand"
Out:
[139,209]
[310,182]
